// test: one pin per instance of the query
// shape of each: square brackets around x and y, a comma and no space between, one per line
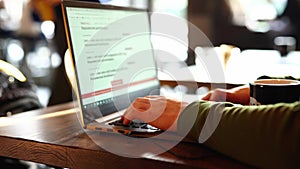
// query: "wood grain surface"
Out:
[54,136]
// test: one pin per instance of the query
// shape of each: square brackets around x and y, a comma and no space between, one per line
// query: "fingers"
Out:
[239,95]
[158,111]
[128,115]
[216,95]
[126,121]
[219,95]
[138,106]
[146,109]
[207,96]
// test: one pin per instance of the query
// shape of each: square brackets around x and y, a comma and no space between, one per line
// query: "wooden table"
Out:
[53,136]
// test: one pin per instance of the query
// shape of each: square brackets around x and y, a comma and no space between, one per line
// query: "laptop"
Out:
[113,60]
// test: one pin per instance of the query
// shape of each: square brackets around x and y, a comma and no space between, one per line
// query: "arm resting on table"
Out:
[263,136]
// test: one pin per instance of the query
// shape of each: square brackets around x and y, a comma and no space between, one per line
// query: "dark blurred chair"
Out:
[61,90]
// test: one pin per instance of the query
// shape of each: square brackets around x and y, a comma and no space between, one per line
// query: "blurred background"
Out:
[32,36]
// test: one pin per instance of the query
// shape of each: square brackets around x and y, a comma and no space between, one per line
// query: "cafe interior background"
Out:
[28,36]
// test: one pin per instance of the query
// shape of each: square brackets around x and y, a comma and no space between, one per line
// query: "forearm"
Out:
[263,136]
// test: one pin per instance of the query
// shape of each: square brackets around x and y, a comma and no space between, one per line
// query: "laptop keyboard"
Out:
[133,124]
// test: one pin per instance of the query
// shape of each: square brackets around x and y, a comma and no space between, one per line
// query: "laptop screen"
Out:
[112,54]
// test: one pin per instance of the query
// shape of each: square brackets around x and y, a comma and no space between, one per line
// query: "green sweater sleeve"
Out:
[265,136]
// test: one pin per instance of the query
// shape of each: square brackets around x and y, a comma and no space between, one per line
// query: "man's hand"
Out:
[238,95]
[158,111]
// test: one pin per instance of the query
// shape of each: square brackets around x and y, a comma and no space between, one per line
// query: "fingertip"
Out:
[206,97]
[125,121]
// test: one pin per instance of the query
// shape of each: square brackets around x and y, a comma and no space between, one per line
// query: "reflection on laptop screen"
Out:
[113,57]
